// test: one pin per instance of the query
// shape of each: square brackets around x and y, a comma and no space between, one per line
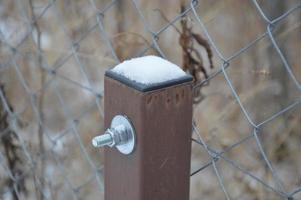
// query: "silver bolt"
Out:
[121,134]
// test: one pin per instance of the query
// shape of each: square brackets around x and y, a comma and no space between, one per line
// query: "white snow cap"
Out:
[149,70]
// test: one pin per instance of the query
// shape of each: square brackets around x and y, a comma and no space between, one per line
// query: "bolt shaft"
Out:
[102,140]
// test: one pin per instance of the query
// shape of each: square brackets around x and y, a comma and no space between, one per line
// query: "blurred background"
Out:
[244,56]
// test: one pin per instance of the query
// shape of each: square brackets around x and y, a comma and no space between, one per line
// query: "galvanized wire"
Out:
[226,62]
[72,130]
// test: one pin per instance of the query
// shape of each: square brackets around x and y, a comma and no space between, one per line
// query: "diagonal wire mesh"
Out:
[54,54]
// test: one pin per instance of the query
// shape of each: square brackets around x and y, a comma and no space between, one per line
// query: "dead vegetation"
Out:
[192,59]
[193,63]
[13,157]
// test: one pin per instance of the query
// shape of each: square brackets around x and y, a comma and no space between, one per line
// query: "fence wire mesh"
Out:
[243,56]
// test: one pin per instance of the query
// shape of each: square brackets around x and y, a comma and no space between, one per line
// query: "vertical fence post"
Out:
[159,166]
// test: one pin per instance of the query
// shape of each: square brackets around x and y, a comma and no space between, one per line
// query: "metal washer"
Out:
[129,146]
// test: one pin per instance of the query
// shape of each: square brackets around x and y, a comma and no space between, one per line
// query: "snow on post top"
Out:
[149,70]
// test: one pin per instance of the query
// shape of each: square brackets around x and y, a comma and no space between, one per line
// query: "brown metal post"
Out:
[159,167]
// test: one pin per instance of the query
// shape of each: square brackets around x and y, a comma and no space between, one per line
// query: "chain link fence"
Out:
[243,55]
